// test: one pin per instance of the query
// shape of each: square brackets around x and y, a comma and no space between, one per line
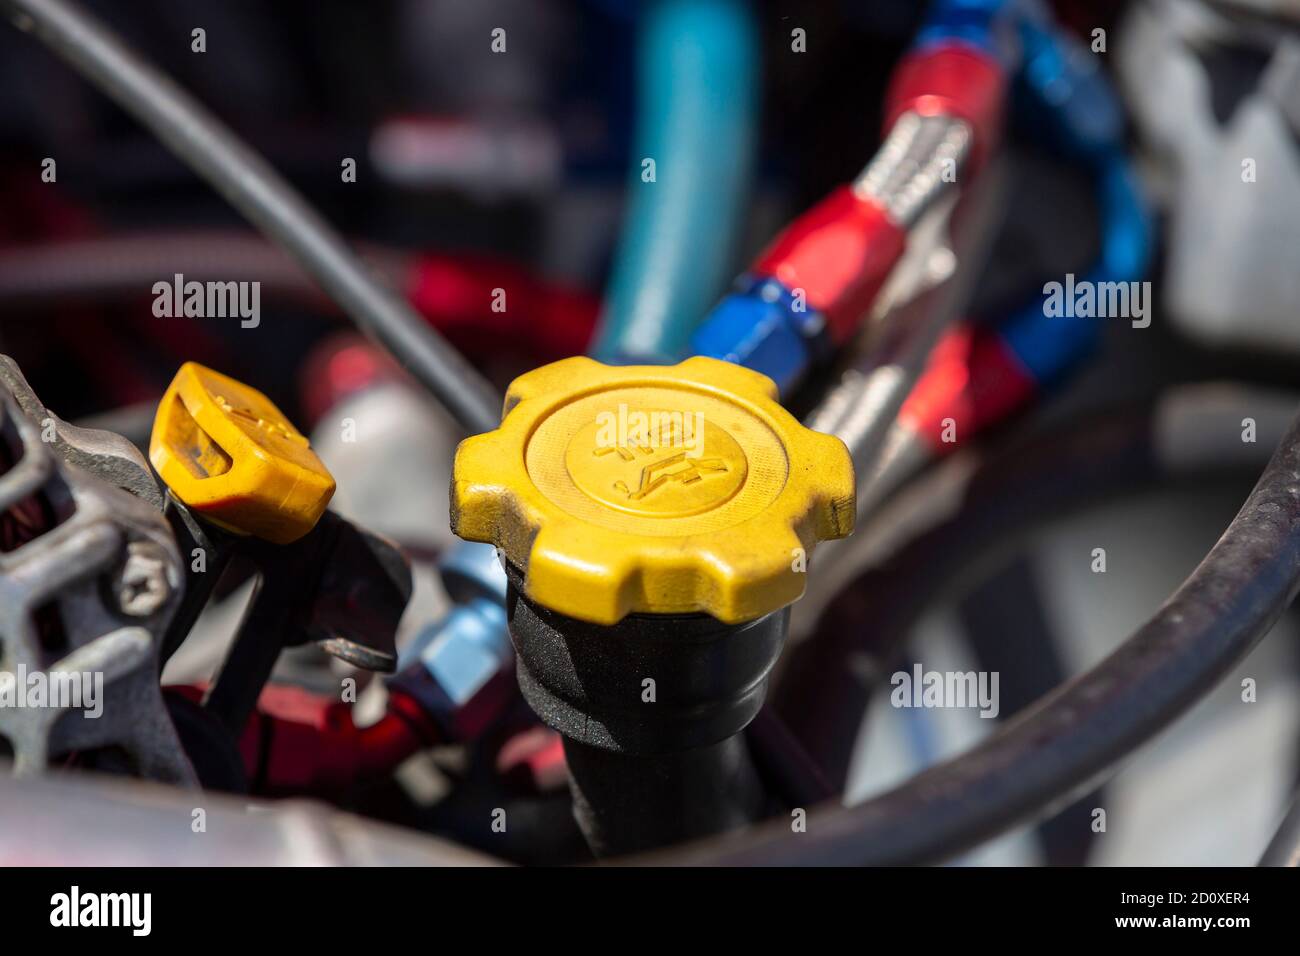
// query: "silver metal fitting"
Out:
[918,162]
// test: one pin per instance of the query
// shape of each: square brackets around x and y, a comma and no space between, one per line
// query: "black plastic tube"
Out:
[1185,434]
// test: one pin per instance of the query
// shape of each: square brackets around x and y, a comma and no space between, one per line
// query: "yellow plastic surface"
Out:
[230,455]
[653,489]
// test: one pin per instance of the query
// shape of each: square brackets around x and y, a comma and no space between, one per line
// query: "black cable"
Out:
[784,765]
[1023,482]
[1074,737]
[205,144]
[1284,848]
[823,687]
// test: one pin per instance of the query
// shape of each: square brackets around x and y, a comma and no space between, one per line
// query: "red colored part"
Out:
[485,306]
[952,79]
[300,743]
[344,364]
[534,760]
[972,381]
[839,253]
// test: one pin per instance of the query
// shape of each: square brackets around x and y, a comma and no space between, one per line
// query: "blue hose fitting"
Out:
[967,21]
[460,668]
[1072,103]
[762,326]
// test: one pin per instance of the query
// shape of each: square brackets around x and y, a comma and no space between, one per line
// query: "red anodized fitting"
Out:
[481,303]
[839,254]
[841,251]
[951,79]
[973,380]
[300,743]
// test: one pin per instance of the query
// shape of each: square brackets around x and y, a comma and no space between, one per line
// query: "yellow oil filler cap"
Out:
[230,455]
[653,490]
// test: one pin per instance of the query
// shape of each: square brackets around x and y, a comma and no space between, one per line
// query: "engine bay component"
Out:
[99,452]
[656,526]
[231,456]
[975,276]
[822,277]
[90,579]
[460,668]
[243,480]
[652,489]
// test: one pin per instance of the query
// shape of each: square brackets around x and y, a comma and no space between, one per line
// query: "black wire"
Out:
[784,765]
[1024,482]
[1069,742]
[822,690]
[265,199]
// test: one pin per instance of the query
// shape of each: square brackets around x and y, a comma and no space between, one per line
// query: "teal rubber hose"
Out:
[697,102]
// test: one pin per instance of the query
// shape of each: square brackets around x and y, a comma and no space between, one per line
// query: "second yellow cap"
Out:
[229,454]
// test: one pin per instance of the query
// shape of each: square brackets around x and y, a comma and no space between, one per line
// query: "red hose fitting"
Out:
[839,254]
[973,380]
[481,303]
[298,743]
[951,79]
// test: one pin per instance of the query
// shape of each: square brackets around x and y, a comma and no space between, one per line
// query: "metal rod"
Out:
[249,183]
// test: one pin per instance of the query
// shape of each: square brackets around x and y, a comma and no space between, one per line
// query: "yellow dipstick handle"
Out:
[231,456]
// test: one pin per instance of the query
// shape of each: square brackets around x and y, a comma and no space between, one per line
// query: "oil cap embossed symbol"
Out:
[652,489]
[661,462]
